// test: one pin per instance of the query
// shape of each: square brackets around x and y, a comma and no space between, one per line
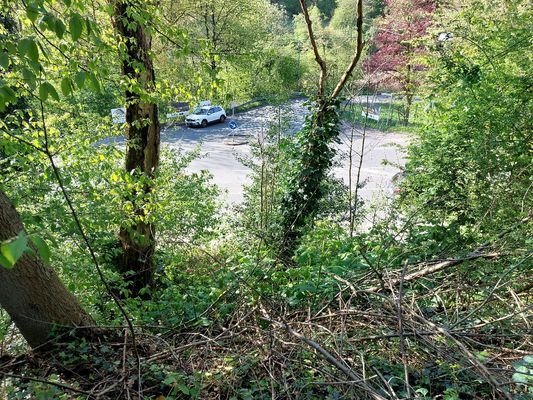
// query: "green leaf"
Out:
[42,248]
[521,368]
[47,89]
[170,380]
[66,86]
[33,52]
[48,21]
[35,66]
[8,94]
[482,355]
[53,92]
[4,60]
[23,46]
[32,12]
[80,79]
[4,262]
[27,46]
[29,77]
[184,389]
[10,47]
[95,84]
[76,26]
[14,249]
[521,378]
[88,26]
[43,92]
[59,28]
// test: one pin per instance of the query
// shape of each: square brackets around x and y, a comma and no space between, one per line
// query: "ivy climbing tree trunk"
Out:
[301,202]
[143,138]
[299,206]
[31,292]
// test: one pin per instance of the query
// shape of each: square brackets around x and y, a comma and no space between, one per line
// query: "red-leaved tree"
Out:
[398,45]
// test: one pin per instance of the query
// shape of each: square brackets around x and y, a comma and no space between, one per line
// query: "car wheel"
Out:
[204,123]
[222,118]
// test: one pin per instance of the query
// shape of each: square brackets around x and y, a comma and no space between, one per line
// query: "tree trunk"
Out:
[407,108]
[143,137]
[409,94]
[31,292]
[300,204]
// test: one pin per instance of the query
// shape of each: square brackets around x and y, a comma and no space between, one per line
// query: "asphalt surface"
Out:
[221,148]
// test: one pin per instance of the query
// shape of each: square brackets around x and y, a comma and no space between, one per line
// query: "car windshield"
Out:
[200,111]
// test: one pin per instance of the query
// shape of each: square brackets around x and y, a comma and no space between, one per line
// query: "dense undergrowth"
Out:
[355,318]
[414,307]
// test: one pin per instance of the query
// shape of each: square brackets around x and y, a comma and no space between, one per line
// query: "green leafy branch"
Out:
[13,249]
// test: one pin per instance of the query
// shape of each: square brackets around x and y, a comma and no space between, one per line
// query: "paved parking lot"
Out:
[221,150]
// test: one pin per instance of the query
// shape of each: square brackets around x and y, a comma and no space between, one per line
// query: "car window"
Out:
[200,111]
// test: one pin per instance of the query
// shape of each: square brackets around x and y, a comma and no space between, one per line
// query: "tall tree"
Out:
[399,45]
[321,129]
[143,140]
[31,291]
[229,42]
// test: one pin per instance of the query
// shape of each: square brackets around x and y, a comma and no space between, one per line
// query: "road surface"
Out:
[221,148]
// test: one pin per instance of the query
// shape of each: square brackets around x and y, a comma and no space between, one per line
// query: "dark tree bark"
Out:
[31,292]
[143,137]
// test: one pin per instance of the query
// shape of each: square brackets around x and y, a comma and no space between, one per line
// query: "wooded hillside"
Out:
[260,199]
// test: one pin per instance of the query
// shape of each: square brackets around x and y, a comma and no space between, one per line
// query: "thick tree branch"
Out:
[358,52]
[433,268]
[356,379]
[320,61]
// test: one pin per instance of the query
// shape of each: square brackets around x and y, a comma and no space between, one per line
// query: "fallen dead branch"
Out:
[341,366]
[434,268]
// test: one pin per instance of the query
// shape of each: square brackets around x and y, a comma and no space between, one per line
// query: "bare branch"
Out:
[340,365]
[44,381]
[478,365]
[320,61]
[335,362]
[358,51]
[431,269]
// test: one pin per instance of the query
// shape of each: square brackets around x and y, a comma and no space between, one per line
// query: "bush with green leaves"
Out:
[471,164]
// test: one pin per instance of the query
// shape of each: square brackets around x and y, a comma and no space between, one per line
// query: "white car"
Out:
[204,115]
